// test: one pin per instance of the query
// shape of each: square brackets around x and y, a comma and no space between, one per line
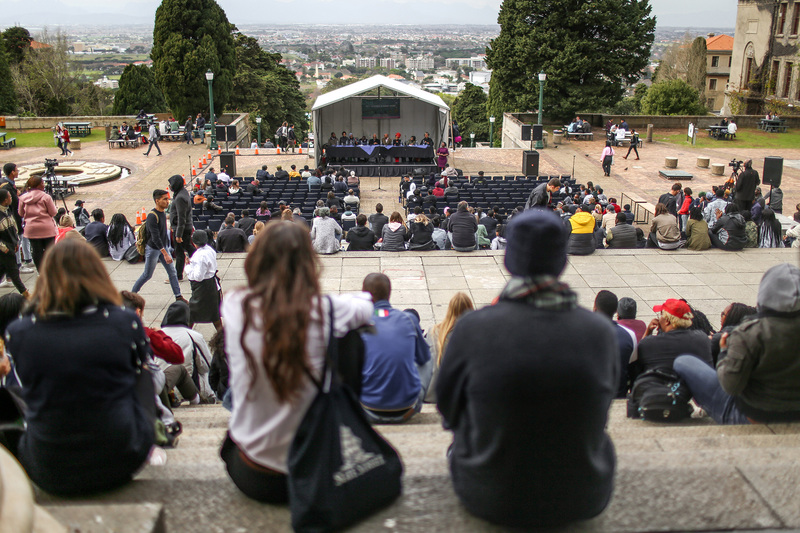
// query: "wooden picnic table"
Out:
[775,125]
[78,129]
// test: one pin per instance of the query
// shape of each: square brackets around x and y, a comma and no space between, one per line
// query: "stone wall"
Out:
[34,123]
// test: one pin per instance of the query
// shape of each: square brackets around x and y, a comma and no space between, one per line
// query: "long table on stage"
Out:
[338,153]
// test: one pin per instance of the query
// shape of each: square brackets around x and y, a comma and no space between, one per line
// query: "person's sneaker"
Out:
[26,270]
[181,299]
[158,456]
[6,283]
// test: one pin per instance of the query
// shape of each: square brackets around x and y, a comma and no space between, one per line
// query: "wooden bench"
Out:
[586,136]
[124,143]
[172,136]
[7,144]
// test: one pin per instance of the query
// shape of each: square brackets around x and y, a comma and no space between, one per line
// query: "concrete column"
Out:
[649,133]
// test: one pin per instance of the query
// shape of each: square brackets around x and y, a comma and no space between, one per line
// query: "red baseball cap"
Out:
[677,308]
[397,134]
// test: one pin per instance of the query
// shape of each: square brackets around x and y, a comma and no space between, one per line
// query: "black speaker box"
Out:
[530,163]
[526,132]
[226,133]
[227,160]
[537,132]
[773,171]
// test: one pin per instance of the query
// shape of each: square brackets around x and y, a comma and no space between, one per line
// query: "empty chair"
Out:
[214,224]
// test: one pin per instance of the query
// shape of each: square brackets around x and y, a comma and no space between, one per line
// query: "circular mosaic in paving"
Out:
[77,172]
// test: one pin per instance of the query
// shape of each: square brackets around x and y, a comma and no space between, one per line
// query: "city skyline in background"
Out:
[54,13]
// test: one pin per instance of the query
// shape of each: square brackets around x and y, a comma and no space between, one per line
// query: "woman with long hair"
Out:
[437,337]
[37,210]
[769,234]
[607,158]
[78,353]
[394,234]
[276,334]
[120,236]
[421,234]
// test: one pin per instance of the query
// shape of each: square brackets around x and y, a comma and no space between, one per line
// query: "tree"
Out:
[589,49]
[8,97]
[16,40]
[138,90]
[337,83]
[191,37]
[469,110]
[673,97]
[696,72]
[263,87]
[44,81]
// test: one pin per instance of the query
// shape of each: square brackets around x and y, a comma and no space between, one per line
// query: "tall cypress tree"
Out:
[8,98]
[589,49]
[469,110]
[138,90]
[189,38]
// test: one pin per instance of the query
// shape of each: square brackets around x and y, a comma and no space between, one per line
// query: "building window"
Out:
[712,84]
[796,20]
[714,61]
[748,70]
[782,18]
[787,80]
[730,61]
[773,78]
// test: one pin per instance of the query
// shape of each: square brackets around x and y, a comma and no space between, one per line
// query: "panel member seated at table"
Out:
[386,141]
[343,140]
[398,139]
[374,141]
[333,140]
[426,140]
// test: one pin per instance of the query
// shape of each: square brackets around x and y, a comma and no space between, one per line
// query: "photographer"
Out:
[745,188]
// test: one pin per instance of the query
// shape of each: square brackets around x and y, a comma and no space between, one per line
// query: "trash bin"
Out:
[558,135]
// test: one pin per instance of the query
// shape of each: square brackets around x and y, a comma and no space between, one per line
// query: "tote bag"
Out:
[340,469]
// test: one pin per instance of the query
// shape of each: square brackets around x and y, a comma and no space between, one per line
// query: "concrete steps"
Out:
[685,477]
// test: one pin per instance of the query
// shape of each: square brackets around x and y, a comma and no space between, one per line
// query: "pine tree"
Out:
[138,90]
[8,97]
[469,110]
[589,49]
[191,37]
[16,40]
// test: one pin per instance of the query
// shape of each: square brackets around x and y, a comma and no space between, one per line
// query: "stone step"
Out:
[116,518]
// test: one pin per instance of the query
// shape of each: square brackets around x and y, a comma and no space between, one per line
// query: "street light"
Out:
[542,77]
[210,78]
[258,121]
[472,136]
[491,132]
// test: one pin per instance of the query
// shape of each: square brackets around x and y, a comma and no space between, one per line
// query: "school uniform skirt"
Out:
[204,303]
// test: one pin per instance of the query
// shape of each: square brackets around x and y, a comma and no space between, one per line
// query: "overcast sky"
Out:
[685,13]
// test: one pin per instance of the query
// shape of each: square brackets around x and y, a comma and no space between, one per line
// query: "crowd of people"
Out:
[101,406]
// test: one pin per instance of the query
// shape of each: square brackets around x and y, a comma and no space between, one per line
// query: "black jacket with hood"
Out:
[180,213]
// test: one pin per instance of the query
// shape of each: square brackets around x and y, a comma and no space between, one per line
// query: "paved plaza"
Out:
[695,476]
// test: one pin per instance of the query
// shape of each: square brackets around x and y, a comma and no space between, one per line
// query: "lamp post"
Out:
[542,77]
[491,132]
[258,121]
[210,78]
[472,136]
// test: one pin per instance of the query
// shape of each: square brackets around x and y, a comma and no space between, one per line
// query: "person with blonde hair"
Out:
[87,428]
[421,234]
[65,225]
[438,336]
[259,227]
[276,335]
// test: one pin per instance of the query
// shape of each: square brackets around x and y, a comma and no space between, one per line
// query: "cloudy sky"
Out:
[684,13]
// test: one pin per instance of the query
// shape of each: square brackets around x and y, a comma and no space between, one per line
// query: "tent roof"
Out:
[371,83]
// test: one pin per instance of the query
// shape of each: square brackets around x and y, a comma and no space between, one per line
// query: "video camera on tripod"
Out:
[736,165]
[50,168]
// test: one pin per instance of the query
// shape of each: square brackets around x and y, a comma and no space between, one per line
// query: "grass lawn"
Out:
[44,138]
[745,138]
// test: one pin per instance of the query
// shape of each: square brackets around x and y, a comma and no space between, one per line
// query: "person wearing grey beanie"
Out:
[492,390]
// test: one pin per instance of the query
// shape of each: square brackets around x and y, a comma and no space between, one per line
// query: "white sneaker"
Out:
[6,283]
[158,457]
[26,270]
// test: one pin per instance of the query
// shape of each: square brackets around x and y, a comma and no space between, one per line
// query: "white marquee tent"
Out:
[341,110]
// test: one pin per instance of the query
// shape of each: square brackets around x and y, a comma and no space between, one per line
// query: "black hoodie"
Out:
[361,239]
[177,315]
[180,214]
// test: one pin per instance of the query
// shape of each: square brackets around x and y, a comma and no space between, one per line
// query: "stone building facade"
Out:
[765,65]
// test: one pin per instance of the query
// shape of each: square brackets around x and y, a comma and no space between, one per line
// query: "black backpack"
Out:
[659,395]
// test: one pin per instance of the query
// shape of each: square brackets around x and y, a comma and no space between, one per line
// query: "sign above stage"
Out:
[380,108]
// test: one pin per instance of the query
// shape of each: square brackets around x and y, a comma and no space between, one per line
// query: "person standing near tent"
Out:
[441,160]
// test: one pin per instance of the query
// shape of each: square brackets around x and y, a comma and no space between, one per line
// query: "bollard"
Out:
[671,162]
[718,169]
[703,162]
[649,133]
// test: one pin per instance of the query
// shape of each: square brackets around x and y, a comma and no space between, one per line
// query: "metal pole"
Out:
[539,143]
[491,132]
[259,130]
[213,145]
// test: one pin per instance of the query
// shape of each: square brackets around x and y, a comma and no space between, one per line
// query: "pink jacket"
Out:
[37,210]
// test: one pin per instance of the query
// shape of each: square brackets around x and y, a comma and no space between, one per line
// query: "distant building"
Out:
[419,63]
[477,62]
[718,69]
[106,83]
[389,63]
[764,59]
[366,62]
[479,77]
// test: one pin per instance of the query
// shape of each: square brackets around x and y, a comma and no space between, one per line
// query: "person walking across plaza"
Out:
[634,145]
[187,128]
[200,124]
[153,139]
[156,246]
[607,158]
[9,244]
